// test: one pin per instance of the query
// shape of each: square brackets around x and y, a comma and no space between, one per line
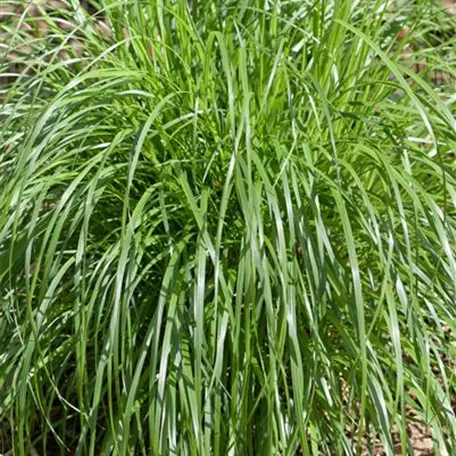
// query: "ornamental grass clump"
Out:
[227,228]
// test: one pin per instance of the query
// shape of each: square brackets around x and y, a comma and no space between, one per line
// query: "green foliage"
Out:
[227,229]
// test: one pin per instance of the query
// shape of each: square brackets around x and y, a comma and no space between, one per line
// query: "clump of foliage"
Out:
[226,227]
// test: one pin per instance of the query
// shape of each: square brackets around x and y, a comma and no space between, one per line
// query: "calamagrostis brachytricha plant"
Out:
[227,228]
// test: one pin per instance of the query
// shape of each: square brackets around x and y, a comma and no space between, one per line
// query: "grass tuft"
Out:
[227,227]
